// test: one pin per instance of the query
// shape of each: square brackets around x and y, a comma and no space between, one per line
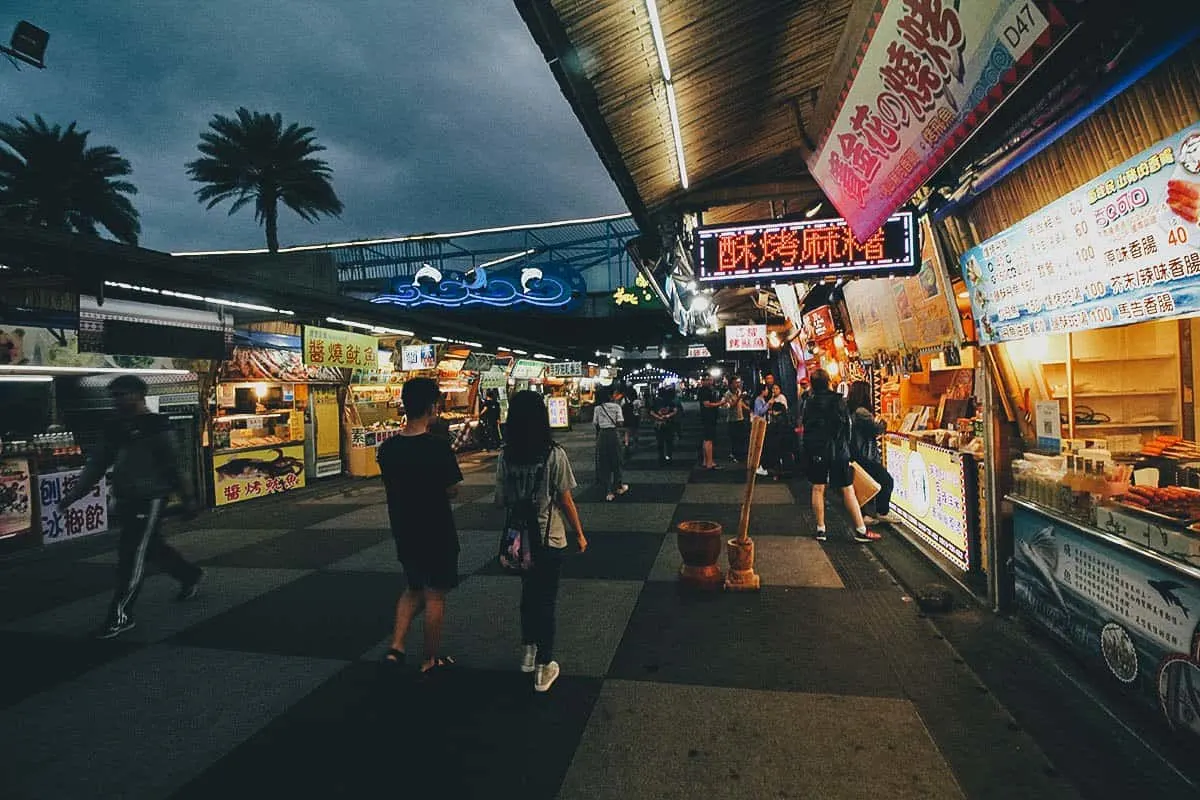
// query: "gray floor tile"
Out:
[672,476]
[778,560]
[367,493]
[144,725]
[651,740]
[476,548]
[647,517]
[483,477]
[483,624]
[157,614]
[372,516]
[765,493]
[205,543]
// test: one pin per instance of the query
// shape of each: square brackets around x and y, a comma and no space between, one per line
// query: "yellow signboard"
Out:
[932,494]
[328,348]
[247,474]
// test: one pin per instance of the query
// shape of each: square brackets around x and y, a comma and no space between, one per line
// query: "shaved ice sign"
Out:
[927,74]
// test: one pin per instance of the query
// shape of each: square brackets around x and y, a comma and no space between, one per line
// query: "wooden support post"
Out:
[741,575]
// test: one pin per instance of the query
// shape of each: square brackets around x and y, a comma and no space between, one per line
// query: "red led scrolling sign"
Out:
[752,252]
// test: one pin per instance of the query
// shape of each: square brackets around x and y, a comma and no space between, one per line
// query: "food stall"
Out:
[261,420]
[1086,302]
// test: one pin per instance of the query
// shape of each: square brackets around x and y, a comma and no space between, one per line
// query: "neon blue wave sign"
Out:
[530,286]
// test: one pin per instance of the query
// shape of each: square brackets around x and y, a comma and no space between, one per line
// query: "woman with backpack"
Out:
[865,430]
[534,481]
[609,420]
[827,454]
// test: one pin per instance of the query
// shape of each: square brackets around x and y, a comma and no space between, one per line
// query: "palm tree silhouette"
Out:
[254,158]
[50,178]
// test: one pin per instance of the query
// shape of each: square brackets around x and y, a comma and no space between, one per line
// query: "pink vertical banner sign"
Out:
[927,75]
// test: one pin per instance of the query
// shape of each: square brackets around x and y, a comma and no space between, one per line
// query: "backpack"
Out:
[521,538]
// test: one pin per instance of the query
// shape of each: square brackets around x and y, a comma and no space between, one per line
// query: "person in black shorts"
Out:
[827,454]
[421,475]
[710,405]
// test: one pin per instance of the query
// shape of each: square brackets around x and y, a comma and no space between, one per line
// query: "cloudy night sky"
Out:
[438,115]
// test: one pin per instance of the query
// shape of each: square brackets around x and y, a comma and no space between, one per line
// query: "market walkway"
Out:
[827,684]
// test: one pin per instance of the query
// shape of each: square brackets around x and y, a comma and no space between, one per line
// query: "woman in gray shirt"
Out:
[609,420]
[531,464]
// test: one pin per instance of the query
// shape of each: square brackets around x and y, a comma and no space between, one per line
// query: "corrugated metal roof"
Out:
[737,70]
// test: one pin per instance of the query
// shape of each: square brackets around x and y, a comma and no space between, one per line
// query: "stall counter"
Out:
[1127,610]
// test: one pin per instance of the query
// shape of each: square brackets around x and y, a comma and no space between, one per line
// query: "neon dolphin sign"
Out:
[532,286]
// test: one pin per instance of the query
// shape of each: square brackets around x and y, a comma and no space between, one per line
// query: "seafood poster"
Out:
[16,503]
[247,474]
[1122,248]
[1129,617]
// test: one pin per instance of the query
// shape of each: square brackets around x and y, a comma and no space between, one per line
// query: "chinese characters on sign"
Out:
[745,337]
[819,323]
[565,369]
[1120,249]
[640,295]
[328,348]
[698,351]
[748,253]
[557,406]
[86,516]
[929,74]
[246,475]
[417,357]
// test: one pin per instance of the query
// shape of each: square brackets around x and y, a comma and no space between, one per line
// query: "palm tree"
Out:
[49,177]
[254,158]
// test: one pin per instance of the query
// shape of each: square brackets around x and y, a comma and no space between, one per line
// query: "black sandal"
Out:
[439,665]
[393,658]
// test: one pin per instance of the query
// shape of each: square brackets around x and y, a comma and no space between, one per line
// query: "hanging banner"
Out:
[329,348]
[526,370]
[285,366]
[479,362]
[16,501]
[745,337]
[1122,248]
[86,516]
[928,74]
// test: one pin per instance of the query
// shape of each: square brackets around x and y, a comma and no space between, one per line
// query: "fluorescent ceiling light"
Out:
[22,369]
[503,259]
[216,301]
[520,352]
[26,378]
[372,328]
[812,211]
[660,45]
[439,338]
[415,237]
[543,355]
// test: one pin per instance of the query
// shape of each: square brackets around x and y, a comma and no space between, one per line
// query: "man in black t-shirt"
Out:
[710,404]
[420,476]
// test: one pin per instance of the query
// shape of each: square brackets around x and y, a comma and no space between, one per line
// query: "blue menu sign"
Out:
[1122,248]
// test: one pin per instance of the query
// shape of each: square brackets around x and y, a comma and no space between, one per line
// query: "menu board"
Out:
[1122,248]
[557,406]
[16,501]
[931,495]
[84,517]
[1130,616]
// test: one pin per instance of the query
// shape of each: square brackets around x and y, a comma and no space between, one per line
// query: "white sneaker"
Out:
[545,676]
[528,661]
[761,471]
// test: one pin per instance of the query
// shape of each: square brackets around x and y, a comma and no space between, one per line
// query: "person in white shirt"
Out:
[609,420]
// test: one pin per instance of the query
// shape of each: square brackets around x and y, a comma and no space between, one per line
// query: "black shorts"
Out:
[822,470]
[708,430]
[438,571]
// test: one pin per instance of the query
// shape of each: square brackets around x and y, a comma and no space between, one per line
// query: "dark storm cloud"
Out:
[437,115]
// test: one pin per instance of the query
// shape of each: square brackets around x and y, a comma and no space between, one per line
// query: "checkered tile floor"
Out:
[826,684]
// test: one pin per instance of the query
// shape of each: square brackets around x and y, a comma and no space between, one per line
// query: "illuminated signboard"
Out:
[805,249]
[531,286]
[934,495]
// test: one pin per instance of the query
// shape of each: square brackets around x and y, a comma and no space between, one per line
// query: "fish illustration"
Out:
[1041,552]
[1166,590]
